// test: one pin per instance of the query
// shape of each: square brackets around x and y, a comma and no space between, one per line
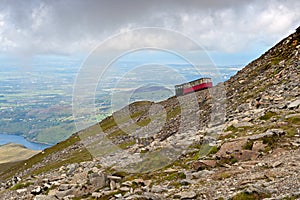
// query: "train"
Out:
[192,86]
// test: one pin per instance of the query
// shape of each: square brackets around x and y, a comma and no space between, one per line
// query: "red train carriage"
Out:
[199,84]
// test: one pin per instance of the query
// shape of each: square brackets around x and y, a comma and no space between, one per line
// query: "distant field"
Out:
[38,104]
[14,152]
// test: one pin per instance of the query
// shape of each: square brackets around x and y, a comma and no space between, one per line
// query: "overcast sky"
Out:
[68,27]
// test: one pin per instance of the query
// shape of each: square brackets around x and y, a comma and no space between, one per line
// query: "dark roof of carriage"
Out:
[193,81]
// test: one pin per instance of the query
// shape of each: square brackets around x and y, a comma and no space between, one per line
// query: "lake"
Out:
[6,138]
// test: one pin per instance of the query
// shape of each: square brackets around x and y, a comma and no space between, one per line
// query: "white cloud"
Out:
[71,26]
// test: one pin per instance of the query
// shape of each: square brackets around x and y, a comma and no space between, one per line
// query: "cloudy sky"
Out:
[232,31]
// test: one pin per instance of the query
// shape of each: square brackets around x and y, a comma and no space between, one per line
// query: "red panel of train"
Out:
[196,85]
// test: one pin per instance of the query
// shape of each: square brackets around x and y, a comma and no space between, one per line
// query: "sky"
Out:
[231,31]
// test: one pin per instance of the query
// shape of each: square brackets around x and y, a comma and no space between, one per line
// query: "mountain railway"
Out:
[193,86]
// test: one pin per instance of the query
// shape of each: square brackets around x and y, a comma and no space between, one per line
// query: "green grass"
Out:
[144,122]
[152,161]
[268,115]
[20,186]
[223,175]
[127,144]
[174,112]
[250,196]
[231,128]
[205,150]
[174,176]
[248,145]
[57,133]
[6,166]
[290,130]
[115,134]
[75,157]
[294,120]
[108,123]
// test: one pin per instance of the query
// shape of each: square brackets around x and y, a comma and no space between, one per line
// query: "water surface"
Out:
[8,138]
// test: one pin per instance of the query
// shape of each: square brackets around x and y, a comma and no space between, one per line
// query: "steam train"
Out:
[196,85]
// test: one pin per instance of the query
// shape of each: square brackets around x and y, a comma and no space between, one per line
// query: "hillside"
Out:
[15,152]
[239,140]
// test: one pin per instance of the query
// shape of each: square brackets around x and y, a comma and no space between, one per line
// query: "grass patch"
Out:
[232,129]
[174,112]
[250,196]
[127,144]
[20,186]
[294,120]
[175,176]
[268,115]
[108,123]
[248,145]
[75,157]
[153,161]
[207,150]
[290,130]
[270,141]
[223,175]
[144,122]
[204,150]
[115,134]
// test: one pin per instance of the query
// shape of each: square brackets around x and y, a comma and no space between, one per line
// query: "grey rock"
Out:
[186,195]
[200,174]
[64,187]
[158,189]
[37,190]
[242,124]
[292,115]
[294,104]
[45,197]
[96,194]
[22,190]
[127,183]
[268,133]
[62,194]
[124,189]
[72,168]
[146,196]
[98,180]
[112,185]
[118,195]
[114,177]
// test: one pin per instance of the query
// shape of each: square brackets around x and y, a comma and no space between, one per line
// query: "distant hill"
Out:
[14,152]
[151,88]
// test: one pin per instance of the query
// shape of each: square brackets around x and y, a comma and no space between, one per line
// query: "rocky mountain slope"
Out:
[239,140]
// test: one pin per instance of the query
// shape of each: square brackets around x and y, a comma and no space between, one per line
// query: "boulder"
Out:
[72,168]
[242,124]
[268,133]
[98,180]
[37,190]
[245,155]
[230,147]
[62,194]
[203,164]
[294,104]
[186,195]
[64,187]
[45,197]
